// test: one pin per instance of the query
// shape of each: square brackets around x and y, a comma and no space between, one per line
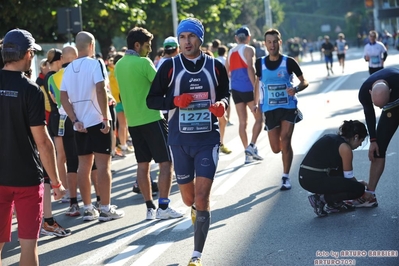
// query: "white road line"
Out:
[160,226]
[125,255]
[152,254]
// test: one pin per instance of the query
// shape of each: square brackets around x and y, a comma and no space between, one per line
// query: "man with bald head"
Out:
[381,89]
[84,99]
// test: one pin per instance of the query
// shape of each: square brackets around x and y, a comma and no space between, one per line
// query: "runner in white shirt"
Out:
[375,53]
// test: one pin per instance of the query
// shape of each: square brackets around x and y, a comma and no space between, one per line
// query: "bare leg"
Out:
[165,179]
[29,255]
[144,181]
[85,164]
[376,169]
[243,122]
[47,210]
[103,163]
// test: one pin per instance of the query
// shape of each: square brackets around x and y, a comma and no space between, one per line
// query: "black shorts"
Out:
[150,142]
[242,97]
[93,141]
[273,118]
[53,123]
[341,56]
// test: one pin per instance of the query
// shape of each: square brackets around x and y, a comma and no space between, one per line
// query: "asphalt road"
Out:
[253,222]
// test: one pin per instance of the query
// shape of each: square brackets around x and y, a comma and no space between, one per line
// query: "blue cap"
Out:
[191,25]
[22,39]
[243,31]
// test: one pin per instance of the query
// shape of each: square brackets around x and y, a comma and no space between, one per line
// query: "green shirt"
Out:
[135,75]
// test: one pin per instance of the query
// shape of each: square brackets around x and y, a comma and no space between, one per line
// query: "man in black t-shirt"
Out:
[23,126]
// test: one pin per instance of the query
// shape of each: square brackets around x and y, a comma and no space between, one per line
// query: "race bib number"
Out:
[61,125]
[277,94]
[375,60]
[196,118]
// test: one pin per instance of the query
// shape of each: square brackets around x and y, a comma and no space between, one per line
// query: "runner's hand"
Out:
[58,193]
[183,100]
[217,109]
[105,127]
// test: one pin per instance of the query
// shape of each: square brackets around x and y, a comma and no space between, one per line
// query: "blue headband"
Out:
[191,25]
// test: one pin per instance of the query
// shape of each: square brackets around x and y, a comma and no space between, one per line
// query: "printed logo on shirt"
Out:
[199,95]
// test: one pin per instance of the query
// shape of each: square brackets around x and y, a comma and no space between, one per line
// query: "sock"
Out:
[98,198]
[252,145]
[163,203]
[196,254]
[49,221]
[286,175]
[88,207]
[201,228]
[73,201]
[105,207]
[123,147]
[150,204]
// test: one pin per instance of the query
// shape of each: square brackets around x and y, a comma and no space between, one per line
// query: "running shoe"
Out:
[285,183]
[98,204]
[224,149]
[248,159]
[317,204]
[338,207]
[54,230]
[154,187]
[253,151]
[364,203]
[73,210]
[168,213]
[112,214]
[195,262]
[90,215]
[127,150]
[193,214]
[151,214]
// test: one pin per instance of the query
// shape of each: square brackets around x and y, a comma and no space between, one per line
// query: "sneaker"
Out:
[98,204]
[73,210]
[229,123]
[54,230]
[193,214]
[168,213]
[253,151]
[151,214]
[338,207]
[119,153]
[317,204]
[364,203]
[112,214]
[285,183]
[90,215]
[195,262]
[128,150]
[154,187]
[248,159]
[224,149]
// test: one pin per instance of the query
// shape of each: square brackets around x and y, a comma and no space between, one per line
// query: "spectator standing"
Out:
[24,126]
[148,129]
[84,98]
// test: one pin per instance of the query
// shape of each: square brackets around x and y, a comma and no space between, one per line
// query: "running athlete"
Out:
[195,88]
[276,95]
[240,66]
[382,90]
[148,129]
[328,48]
[341,46]
[327,170]
[375,53]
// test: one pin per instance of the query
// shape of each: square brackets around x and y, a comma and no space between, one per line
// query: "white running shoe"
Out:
[285,183]
[90,214]
[248,159]
[112,214]
[151,214]
[168,213]
[253,151]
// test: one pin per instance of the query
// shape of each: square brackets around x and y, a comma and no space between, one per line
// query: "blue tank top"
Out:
[273,85]
[194,125]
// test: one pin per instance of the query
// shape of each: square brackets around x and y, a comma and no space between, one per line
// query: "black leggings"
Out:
[334,188]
